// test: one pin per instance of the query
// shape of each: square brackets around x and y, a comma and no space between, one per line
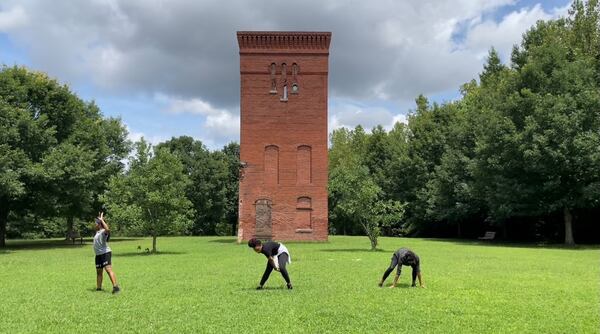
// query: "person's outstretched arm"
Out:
[420,280]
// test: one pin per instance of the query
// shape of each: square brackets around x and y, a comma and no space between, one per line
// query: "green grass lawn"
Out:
[206,285]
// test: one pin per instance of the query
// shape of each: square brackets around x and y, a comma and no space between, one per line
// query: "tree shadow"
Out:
[354,250]
[134,254]
[224,241]
[44,244]
[529,245]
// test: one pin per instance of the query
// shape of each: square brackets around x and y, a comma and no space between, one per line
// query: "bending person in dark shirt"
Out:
[406,257]
[277,258]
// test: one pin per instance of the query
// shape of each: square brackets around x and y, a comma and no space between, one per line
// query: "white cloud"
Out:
[220,125]
[349,114]
[135,136]
[185,52]
[504,34]
[13,18]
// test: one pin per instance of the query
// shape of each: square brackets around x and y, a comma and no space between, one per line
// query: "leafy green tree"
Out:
[231,155]
[541,152]
[149,199]
[356,194]
[57,150]
[209,175]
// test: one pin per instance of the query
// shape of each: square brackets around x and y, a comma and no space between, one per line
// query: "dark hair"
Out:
[254,242]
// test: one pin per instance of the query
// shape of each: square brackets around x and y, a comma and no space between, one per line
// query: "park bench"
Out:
[488,236]
[73,235]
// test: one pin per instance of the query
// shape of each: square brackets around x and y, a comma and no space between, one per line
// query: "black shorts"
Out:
[103,260]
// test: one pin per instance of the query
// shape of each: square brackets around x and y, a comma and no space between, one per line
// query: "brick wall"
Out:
[283,144]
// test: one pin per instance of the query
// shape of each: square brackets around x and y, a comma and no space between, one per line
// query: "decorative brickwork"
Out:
[283,144]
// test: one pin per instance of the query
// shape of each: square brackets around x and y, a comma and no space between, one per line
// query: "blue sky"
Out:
[171,68]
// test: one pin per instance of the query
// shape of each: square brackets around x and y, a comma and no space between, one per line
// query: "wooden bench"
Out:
[488,236]
[73,235]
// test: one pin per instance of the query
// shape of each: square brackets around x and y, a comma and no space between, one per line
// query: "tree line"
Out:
[61,160]
[517,153]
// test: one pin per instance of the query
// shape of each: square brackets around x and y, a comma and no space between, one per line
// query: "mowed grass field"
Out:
[207,285]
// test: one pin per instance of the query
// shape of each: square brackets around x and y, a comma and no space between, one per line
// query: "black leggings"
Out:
[395,263]
[282,259]
[391,268]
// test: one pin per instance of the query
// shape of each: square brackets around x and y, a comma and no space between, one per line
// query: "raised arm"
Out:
[104,224]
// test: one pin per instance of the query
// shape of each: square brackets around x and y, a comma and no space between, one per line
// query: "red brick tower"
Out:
[283,144]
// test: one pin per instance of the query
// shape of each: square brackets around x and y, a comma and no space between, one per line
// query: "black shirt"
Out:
[270,248]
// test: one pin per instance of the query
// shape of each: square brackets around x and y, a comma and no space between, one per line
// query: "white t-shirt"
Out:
[100,242]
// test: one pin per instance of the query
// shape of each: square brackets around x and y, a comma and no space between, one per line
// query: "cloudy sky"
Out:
[171,68]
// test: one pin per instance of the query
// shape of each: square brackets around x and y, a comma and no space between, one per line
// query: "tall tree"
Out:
[541,153]
[150,198]
[208,173]
[45,129]
[355,194]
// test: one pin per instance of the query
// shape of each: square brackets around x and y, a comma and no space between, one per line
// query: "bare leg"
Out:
[98,278]
[420,280]
[111,274]
[395,280]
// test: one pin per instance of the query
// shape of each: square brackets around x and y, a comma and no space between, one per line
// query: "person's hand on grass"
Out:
[392,286]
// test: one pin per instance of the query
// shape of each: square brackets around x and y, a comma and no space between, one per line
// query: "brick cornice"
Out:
[281,41]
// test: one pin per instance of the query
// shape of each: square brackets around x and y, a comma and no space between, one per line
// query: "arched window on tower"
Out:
[285,94]
[303,165]
[273,80]
[303,219]
[295,87]
[284,97]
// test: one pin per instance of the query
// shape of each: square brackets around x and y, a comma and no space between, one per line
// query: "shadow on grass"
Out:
[267,288]
[224,241]
[354,250]
[44,244]
[500,243]
[133,254]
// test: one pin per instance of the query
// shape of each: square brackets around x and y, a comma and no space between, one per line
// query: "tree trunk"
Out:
[69,227]
[234,228]
[458,231]
[373,240]
[153,244]
[568,227]
[3,221]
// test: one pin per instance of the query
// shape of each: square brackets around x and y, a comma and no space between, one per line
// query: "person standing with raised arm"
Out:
[103,254]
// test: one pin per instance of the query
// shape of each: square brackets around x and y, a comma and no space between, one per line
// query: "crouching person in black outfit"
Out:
[278,257]
[406,257]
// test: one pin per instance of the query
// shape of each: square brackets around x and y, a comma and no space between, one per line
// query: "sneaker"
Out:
[116,289]
[289,286]
[98,289]
[260,287]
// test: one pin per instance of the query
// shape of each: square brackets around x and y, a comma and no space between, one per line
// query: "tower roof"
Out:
[282,41]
